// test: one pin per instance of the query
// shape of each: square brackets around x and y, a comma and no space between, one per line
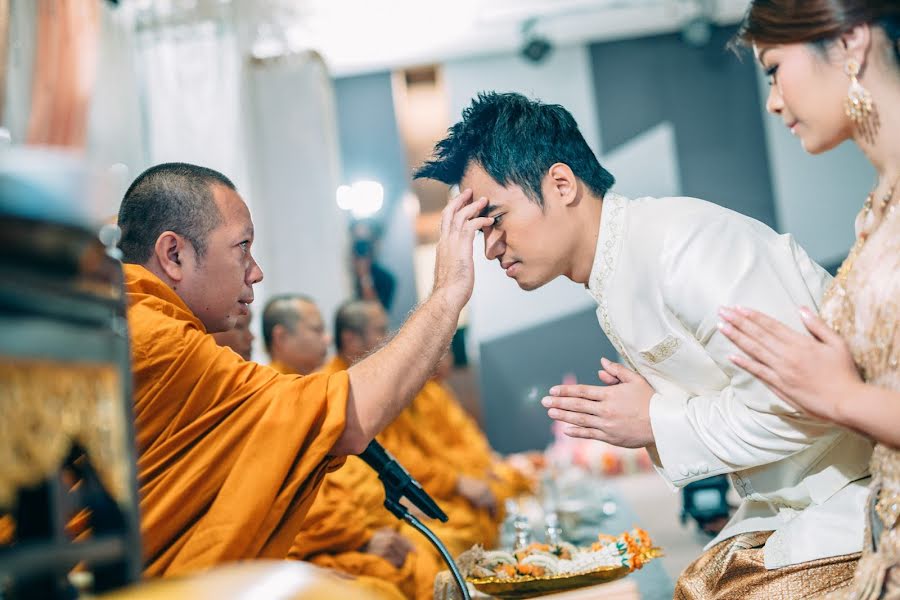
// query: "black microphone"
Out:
[399,483]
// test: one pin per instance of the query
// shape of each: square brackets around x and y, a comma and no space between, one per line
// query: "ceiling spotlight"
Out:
[536,47]
[363,199]
[697,32]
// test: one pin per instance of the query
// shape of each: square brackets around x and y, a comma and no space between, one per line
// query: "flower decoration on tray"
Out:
[544,569]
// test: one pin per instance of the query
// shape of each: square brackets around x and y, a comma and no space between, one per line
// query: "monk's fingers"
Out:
[452,209]
[400,548]
[489,501]
[588,392]
[468,212]
[477,224]
[398,557]
[578,419]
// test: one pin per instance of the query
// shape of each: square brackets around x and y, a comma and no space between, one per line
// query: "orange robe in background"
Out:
[450,428]
[340,522]
[281,367]
[467,525]
[230,453]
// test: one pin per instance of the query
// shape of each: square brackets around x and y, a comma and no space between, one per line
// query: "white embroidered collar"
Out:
[609,243]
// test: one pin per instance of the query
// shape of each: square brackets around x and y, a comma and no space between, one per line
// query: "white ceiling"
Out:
[355,36]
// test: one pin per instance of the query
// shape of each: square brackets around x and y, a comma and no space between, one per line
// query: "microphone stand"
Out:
[392,503]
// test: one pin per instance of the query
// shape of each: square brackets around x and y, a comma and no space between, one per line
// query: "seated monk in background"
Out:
[239,338]
[444,426]
[360,328]
[231,453]
[340,531]
[294,334]
[382,560]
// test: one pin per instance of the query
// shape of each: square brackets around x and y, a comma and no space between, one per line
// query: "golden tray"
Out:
[532,587]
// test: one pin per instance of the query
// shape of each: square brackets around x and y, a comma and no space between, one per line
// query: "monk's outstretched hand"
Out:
[454,268]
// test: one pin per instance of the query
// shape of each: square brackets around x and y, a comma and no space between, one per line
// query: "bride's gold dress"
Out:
[863,305]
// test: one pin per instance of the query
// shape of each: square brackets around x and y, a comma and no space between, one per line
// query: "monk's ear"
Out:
[561,184]
[169,254]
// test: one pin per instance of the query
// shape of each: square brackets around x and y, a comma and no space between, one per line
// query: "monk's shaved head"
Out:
[352,316]
[282,310]
[360,326]
[175,197]
[294,333]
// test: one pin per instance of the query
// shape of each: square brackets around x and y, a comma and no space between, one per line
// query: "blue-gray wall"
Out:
[710,98]
[517,370]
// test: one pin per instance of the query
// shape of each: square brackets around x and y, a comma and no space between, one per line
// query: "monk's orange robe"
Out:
[453,430]
[230,453]
[345,514]
[281,367]
[427,464]
[338,525]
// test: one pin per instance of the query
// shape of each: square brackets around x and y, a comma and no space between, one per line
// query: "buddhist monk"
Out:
[340,531]
[348,529]
[360,328]
[239,338]
[446,427]
[294,334]
[231,453]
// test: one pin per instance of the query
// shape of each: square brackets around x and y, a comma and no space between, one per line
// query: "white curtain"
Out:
[190,78]
[296,166]
[269,125]
[115,137]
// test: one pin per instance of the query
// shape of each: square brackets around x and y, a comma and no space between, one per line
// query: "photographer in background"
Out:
[371,280]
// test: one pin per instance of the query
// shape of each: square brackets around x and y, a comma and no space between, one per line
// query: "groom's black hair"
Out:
[516,141]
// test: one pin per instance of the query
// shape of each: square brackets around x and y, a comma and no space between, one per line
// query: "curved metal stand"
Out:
[398,483]
[460,582]
[392,503]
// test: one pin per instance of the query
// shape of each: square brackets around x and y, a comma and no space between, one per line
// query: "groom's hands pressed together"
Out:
[618,413]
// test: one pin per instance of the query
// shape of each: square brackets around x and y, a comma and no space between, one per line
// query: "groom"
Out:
[659,269]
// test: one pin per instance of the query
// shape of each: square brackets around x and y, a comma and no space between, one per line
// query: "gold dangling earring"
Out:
[858,104]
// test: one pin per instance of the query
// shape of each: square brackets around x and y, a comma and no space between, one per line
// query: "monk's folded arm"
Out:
[384,383]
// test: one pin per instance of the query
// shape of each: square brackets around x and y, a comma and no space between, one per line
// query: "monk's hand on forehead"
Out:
[454,269]
[465,212]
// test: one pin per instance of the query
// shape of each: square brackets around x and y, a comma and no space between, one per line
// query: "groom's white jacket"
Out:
[663,268]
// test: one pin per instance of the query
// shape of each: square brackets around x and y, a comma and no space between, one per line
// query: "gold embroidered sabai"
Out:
[863,305]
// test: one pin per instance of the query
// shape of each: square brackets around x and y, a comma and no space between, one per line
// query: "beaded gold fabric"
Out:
[863,305]
[735,568]
[45,407]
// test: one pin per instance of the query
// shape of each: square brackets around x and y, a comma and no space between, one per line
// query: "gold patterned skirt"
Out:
[878,574]
[735,568]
